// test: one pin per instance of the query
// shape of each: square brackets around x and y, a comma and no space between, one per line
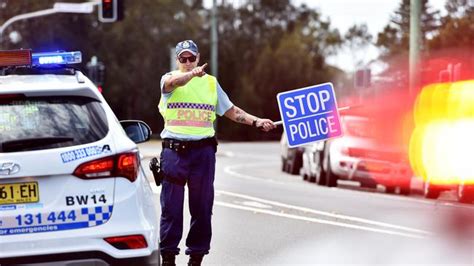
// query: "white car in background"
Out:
[357,157]
[72,188]
[312,162]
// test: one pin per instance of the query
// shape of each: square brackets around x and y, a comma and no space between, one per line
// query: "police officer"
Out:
[190,100]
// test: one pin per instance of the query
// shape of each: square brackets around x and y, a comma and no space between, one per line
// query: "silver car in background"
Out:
[357,156]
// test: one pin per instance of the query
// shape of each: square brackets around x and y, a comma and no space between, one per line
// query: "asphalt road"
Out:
[263,216]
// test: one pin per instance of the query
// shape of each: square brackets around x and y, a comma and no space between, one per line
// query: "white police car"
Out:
[72,189]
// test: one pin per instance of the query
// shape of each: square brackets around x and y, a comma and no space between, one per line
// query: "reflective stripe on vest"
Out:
[191,109]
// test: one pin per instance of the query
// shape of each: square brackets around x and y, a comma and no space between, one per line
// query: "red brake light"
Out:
[120,165]
[95,169]
[127,165]
[127,242]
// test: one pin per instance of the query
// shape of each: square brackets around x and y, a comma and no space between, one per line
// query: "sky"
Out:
[345,13]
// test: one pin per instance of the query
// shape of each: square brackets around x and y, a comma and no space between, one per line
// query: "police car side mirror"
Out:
[137,131]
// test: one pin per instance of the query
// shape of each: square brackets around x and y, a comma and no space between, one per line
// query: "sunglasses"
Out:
[183,60]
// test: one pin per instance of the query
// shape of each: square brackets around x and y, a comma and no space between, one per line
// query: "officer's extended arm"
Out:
[240,116]
[181,78]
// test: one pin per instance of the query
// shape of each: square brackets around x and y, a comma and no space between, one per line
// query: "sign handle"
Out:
[277,123]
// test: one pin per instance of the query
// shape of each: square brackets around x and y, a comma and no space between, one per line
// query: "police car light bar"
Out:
[15,58]
[57,58]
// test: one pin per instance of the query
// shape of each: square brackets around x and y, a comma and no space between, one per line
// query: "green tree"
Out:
[136,51]
[394,39]
[457,29]
[268,47]
[53,32]
[358,39]
[459,8]
[265,46]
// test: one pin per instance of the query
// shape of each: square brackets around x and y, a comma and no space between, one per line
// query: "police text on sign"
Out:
[309,114]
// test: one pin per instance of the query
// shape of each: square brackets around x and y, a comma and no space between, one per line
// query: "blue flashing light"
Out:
[57,58]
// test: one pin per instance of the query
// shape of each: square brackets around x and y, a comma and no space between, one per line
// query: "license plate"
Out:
[16,193]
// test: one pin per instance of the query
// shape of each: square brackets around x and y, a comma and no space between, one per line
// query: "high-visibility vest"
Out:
[191,109]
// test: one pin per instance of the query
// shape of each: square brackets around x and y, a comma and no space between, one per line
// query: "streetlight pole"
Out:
[214,39]
[25,16]
[214,43]
[85,8]
[415,43]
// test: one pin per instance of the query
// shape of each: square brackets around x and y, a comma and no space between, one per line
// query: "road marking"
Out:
[328,214]
[247,156]
[228,154]
[316,220]
[255,204]
[232,170]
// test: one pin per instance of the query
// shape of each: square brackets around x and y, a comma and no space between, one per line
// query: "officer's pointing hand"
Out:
[199,71]
[265,124]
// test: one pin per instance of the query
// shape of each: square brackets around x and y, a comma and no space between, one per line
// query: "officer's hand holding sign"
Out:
[264,124]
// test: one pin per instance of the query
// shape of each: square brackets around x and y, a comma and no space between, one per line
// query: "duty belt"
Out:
[181,145]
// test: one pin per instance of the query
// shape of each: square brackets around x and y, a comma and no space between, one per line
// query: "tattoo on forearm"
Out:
[240,115]
[180,81]
[240,119]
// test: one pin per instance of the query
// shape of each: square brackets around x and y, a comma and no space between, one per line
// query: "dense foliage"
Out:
[265,47]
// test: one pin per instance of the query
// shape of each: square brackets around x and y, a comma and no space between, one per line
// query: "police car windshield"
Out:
[36,123]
